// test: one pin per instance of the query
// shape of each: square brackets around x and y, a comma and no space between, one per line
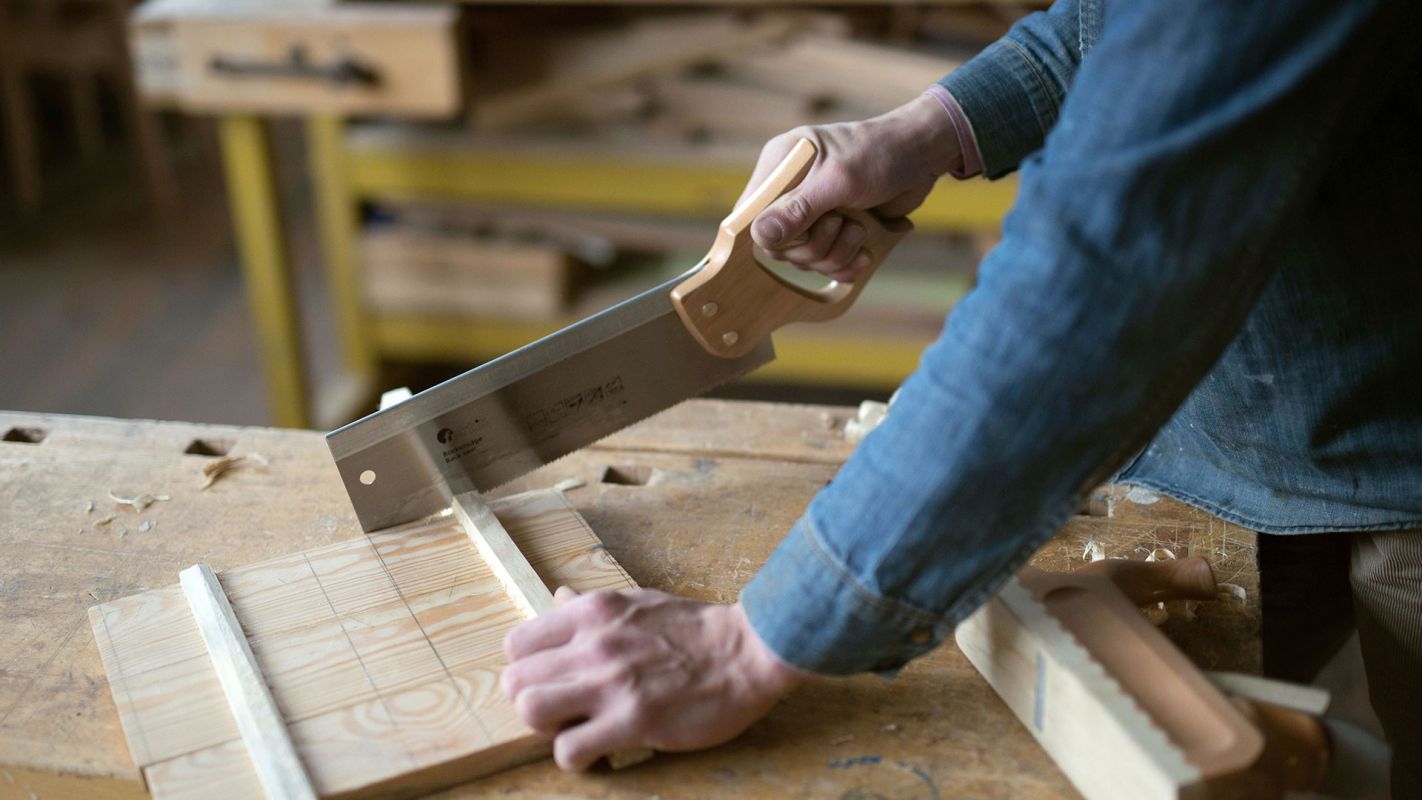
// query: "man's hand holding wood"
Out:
[610,671]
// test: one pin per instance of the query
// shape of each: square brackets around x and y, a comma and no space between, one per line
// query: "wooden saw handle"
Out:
[734,303]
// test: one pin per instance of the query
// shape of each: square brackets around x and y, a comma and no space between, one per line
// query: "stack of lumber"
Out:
[698,75]
[642,85]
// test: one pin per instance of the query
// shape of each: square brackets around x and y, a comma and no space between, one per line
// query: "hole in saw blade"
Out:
[367,477]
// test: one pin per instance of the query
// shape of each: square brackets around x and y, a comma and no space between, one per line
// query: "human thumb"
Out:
[563,595]
[784,222]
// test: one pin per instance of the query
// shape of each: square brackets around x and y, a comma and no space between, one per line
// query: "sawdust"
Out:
[215,469]
[99,523]
[146,526]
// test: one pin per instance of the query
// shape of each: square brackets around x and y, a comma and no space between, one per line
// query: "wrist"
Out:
[930,133]
[763,666]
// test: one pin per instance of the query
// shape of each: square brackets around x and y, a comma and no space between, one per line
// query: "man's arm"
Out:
[1129,262]
[1135,249]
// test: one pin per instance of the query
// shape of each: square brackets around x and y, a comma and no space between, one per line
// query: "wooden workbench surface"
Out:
[692,501]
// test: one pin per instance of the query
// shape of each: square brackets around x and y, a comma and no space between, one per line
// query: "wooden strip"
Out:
[505,560]
[268,742]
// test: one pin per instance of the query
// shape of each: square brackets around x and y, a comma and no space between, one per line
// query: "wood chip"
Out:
[1233,591]
[140,502]
[146,526]
[103,521]
[215,469]
[89,509]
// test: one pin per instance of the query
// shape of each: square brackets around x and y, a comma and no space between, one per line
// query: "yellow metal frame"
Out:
[342,177]
[261,246]
[622,184]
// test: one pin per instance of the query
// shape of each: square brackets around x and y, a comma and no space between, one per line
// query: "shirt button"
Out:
[921,635]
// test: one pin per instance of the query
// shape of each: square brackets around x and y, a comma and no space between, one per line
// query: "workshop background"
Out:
[262,223]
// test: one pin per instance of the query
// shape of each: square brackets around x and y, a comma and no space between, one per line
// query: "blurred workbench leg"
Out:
[15,105]
[266,270]
[337,214]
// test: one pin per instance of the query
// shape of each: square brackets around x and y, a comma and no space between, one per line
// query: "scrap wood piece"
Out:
[1120,710]
[216,468]
[263,731]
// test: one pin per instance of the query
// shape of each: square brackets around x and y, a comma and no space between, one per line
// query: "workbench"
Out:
[691,501]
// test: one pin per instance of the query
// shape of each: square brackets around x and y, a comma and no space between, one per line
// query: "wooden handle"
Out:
[734,303]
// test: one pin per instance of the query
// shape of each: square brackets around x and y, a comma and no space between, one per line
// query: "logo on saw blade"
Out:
[445,435]
[545,421]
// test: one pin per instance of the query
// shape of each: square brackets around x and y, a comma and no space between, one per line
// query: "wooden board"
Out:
[382,653]
[691,501]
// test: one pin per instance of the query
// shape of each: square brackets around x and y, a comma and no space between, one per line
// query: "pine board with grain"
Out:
[382,653]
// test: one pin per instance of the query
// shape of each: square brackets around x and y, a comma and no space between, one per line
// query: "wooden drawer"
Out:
[352,58]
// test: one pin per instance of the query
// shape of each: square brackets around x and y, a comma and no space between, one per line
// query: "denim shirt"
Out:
[1210,284]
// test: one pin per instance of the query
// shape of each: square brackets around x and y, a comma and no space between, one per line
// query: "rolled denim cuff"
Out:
[811,612]
[1004,96]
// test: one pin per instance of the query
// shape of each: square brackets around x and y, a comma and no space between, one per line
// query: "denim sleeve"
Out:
[1012,92]
[1135,250]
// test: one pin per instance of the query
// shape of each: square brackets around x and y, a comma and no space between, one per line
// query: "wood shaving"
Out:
[213,470]
[1161,554]
[104,521]
[140,502]
[89,509]
[1093,551]
[1233,591]
[145,527]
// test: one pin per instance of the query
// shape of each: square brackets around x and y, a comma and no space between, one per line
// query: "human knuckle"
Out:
[605,648]
[798,209]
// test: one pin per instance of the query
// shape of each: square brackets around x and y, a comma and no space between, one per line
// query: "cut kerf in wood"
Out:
[268,742]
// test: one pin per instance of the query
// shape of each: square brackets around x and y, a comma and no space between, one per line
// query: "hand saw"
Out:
[567,390]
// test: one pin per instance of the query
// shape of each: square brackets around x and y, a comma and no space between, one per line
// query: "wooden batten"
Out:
[264,732]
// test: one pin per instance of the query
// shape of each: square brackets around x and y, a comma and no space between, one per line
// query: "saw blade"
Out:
[519,412]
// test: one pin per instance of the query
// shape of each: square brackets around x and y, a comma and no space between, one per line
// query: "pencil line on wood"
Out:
[425,635]
[379,697]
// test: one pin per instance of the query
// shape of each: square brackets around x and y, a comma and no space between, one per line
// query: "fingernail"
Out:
[769,230]
[860,262]
[854,235]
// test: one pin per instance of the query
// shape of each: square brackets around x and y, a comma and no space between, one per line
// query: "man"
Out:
[1209,285]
